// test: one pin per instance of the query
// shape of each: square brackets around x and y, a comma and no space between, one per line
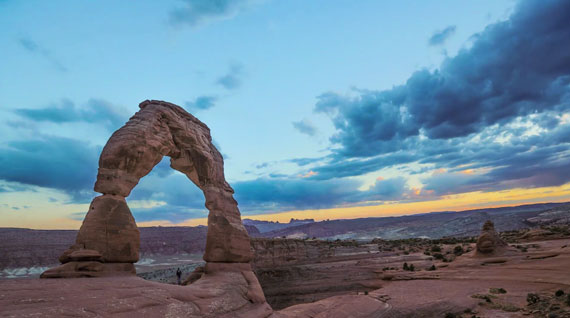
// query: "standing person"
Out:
[178,275]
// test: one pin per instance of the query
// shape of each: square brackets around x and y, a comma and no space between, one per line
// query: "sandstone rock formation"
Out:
[489,242]
[108,240]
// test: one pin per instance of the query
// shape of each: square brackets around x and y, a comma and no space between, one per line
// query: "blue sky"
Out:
[315,105]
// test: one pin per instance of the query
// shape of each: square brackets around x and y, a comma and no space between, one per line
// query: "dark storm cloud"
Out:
[439,37]
[525,162]
[278,194]
[52,162]
[305,127]
[201,103]
[512,83]
[31,46]
[233,79]
[94,111]
[197,12]
[514,68]
[357,167]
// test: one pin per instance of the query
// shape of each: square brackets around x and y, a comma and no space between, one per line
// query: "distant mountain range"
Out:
[26,248]
[428,225]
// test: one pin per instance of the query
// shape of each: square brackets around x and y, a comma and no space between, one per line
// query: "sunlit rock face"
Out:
[109,234]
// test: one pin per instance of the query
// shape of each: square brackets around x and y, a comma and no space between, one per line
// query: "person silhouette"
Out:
[178,275]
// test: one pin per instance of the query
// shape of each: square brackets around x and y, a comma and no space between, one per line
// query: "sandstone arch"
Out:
[108,240]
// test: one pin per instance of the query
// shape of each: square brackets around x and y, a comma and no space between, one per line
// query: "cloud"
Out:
[53,162]
[201,103]
[15,187]
[439,37]
[305,161]
[499,107]
[305,127]
[199,12]
[94,111]
[514,68]
[232,80]
[280,194]
[31,46]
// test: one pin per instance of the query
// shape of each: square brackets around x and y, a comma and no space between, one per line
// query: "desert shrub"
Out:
[497,291]
[405,267]
[450,315]
[432,268]
[486,298]
[458,250]
[427,253]
[532,298]
[559,293]
[438,256]
[568,299]
[406,253]
[411,267]
[436,248]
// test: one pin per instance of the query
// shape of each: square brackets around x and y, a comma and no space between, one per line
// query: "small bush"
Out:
[486,298]
[497,291]
[568,299]
[458,250]
[532,298]
[432,268]
[405,267]
[438,256]
[559,293]
[411,267]
[436,248]
[450,315]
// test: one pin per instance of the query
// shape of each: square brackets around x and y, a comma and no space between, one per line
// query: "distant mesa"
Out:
[489,242]
[268,226]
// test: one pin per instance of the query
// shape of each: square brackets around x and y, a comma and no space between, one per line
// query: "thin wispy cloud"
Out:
[233,78]
[439,37]
[198,12]
[305,126]
[201,103]
[94,111]
[33,47]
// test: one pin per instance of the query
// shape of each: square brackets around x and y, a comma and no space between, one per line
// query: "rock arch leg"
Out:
[108,240]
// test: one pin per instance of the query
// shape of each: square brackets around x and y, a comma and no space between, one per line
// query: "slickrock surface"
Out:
[227,292]
[459,287]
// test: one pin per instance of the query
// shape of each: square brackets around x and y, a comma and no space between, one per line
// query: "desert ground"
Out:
[530,277]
